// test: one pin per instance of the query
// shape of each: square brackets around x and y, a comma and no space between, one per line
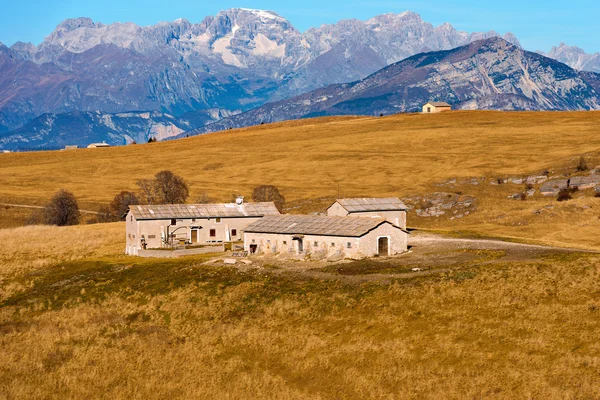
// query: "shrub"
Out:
[104,215]
[204,198]
[564,195]
[62,210]
[582,164]
[268,193]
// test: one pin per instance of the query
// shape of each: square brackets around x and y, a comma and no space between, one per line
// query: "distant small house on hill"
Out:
[436,107]
[71,147]
[98,145]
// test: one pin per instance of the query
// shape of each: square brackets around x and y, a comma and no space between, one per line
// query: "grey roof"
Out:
[372,204]
[315,225]
[169,211]
[439,104]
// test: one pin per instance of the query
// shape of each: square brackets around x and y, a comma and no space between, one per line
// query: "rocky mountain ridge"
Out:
[486,74]
[234,61]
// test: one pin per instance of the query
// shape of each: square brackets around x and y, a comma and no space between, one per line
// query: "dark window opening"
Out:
[349,245]
[213,232]
[173,222]
[234,232]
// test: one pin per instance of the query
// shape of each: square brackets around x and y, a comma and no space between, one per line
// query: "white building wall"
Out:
[397,217]
[366,246]
[155,231]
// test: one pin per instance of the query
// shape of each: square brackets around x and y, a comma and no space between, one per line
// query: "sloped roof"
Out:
[169,211]
[439,104]
[315,225]
[372,204]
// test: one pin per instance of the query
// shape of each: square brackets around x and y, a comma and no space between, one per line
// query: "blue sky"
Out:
[537,24]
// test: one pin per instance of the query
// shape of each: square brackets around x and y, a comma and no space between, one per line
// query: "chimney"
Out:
[240,200]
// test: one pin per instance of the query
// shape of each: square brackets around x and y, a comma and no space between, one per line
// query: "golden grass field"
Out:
[78,319]
[310,160]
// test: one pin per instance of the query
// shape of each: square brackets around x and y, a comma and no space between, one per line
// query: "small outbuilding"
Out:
[163,226]
[436,107]
[392,209]
[325,236]
[98,145]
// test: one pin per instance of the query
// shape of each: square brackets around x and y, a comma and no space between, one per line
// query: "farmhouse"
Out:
[325,236]
[161,226]
[98,145]
[436,107]
[391,209]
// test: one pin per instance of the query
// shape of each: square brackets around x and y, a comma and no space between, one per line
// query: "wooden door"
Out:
[383,246]
[194,235]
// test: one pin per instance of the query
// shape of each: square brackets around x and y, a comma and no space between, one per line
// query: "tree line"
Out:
[164,188]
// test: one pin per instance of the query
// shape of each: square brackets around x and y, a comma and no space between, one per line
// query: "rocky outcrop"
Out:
[575,57]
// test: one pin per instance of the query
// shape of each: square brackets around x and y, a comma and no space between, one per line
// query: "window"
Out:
[428,109]
[218,220]
[151,236]
[173,222]
[316,244]
[193,219]
[285,242]
[253,241]
[132,218]
[332,244]
[213,233]
[349,245]
[234,232]
[268,241]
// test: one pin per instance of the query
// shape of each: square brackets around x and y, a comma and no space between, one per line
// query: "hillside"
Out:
[311,161]
[490,74]
[80,320]
[55,131]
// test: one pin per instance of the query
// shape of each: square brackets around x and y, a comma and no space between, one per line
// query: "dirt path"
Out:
[428,239]
[41,207]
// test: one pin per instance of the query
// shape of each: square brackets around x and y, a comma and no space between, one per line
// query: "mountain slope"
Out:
[576,58]
[234,61]
[487,74]
[54,131]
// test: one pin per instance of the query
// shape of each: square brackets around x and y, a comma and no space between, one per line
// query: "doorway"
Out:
[194,235]
[253,248]
[300,243]
[382,246]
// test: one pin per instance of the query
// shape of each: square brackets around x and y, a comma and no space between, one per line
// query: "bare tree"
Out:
[171,188]
[165,188]
[147,191]
[268,193]
[62,210]
[121,203]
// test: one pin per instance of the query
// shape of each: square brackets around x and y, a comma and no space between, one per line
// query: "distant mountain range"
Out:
[487,74]
[87,75]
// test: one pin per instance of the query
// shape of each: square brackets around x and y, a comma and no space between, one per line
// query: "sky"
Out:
[539,25]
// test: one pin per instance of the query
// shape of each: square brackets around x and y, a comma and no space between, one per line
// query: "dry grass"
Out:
[393,156]
[83,321]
